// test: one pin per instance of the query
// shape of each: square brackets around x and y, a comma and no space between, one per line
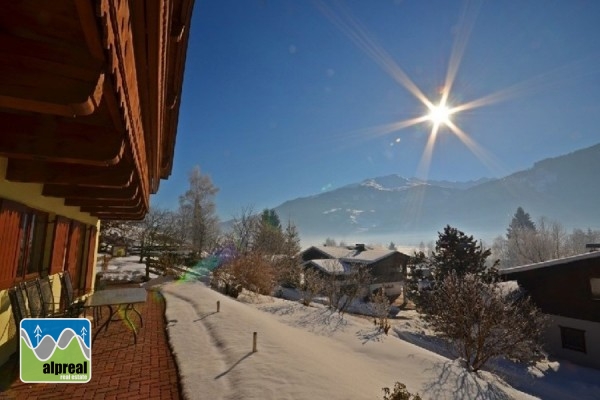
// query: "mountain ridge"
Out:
[560,188]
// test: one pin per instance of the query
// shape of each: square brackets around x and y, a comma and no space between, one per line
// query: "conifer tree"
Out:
[456,251]
[521,221]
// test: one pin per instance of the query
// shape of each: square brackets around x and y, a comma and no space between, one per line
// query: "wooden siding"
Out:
[10,232]
[389,269]
[564,289]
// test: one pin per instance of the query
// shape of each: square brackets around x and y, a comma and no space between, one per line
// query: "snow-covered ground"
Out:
[312,353]
[122,269]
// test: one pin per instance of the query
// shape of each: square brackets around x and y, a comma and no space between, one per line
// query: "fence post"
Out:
[254,342]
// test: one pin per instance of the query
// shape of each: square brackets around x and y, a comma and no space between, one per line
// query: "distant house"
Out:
[388,267]
[568,291]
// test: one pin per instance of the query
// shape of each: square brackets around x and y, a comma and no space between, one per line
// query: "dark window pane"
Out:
[595,288]
[573,339]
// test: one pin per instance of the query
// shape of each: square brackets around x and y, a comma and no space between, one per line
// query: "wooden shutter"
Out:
[10,233]
[73,247]
[59,245]
[91,256]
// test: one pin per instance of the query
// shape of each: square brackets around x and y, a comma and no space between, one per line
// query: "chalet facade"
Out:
[89,103]
[388,267]
[568,291]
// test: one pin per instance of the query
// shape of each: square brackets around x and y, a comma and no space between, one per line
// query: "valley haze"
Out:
[408,211]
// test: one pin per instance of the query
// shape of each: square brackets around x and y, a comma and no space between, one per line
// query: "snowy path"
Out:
[303,353]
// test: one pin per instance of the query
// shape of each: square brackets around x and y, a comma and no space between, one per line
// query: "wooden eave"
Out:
[102,203]
[180,32]
[85,89]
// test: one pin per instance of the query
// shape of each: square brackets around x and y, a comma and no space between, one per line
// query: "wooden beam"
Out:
[83,192]
[119,210]
[38,95]
[120,217]
[117,216]
[117,176]
[103,202]
[56,140]
[29,54]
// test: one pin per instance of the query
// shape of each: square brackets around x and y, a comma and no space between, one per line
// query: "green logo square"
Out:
[55,350]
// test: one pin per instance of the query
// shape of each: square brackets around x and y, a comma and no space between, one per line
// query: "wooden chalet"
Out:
[387,267]
[89,101]
[568,291]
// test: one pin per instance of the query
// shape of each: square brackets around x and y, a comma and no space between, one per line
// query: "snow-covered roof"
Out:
[369,255]
[352,254]
[330,266]
[550,263]
[334,251]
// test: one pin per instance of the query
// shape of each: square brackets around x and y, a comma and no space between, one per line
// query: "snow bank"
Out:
[303,353]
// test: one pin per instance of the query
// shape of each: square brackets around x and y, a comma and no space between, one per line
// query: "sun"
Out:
[440,114]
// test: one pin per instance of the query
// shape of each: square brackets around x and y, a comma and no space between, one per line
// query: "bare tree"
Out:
[112,232]
[579,238]
[251,271]
[354,285]
[158,228]
[197,211]
[546,242]
[244,229]
[381,306]
[332,285]
[482,322]
[311,285]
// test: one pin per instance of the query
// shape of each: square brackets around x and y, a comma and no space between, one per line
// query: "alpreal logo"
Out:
[56,350]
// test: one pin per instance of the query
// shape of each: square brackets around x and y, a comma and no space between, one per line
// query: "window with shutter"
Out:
[10,226]
[22,239]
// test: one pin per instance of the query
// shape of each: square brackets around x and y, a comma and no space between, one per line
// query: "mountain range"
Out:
[393,208]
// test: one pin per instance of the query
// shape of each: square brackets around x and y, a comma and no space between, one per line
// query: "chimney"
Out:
[360,247]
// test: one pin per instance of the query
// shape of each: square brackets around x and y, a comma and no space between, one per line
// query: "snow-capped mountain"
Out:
[564,188]
[396,183]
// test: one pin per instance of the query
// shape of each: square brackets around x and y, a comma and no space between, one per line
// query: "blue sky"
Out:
[282,98]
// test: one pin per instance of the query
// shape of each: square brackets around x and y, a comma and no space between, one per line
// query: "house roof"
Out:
[330,266]
[332,251]
[352,255]
[93,115]
[550,263]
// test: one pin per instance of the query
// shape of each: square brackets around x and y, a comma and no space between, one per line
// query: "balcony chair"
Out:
[18,304]
[74,306]
[34,298]
[50,309]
